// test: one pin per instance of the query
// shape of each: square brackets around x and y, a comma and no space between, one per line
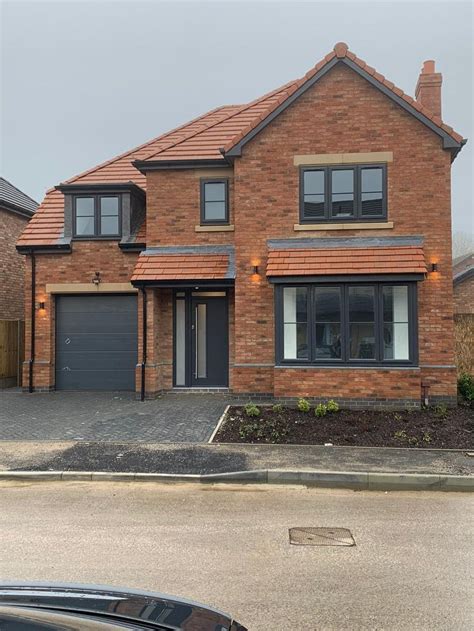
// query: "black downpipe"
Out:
[144,317]
[33,323]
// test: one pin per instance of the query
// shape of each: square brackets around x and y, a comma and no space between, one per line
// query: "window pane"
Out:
[84,206]
[328,304]
[84,226]
[362,341]
[328,340]
[109,225]
[342,193]
[295,331]
[109,206]
[371,180]
[342,181]
[372,204]
[179,343]
[313,206]
[214,191]
[214,211]
[395,315]
[313,182]
[361,304]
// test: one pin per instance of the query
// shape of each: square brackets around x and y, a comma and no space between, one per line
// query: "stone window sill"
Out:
[226,228]
[375,225]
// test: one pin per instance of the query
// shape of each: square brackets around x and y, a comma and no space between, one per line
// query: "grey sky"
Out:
[83,81]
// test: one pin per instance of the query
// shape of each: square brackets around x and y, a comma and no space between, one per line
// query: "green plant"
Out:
[427,437]
[321,409]
[397,417]
[247,429]
[278,407]
[332,406]
[252,410]
[400,435]
[413,440]
[466,386]
[441,410]
[303,405]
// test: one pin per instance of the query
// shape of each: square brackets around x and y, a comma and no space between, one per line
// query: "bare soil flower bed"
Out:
[439,427]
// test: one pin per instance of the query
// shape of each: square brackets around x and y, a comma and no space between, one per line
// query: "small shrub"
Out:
[321,410]
[332,406]
[400,435]
[413,440]
[441,410]
[252,410]
[426,437]
[466,386]
[278,407]
[303,405]
[247,429]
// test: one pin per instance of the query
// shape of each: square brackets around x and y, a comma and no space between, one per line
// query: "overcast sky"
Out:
[83,81]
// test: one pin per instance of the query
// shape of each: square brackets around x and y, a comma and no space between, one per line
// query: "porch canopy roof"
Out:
[178,266]
[334,258]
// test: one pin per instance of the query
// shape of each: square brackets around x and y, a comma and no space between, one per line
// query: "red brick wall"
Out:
[87,257]
[464,296]
[12,266]
[342,113]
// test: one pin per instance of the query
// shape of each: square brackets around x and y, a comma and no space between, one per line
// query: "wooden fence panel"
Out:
[11,352]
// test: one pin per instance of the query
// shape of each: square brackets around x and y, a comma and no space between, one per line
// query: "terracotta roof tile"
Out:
[202,138]
[320,262]
[159,267]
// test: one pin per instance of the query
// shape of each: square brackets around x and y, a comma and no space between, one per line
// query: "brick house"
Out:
[16,209]
[297,245]
[463,280]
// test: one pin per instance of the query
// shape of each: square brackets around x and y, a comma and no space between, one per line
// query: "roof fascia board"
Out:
[78,187]
[344,278]
[45,249]
[462,276]
[166,165]
[216,282]
[448,141]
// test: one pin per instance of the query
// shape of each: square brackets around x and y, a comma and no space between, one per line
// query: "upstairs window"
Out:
[96,216]
[356,193]
[214,202]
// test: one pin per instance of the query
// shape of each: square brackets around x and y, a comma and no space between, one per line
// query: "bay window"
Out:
[346,323]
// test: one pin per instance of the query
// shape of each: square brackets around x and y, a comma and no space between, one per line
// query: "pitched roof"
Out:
[463,267]
[323,262]
[14,199]
[225,129]
[184,263]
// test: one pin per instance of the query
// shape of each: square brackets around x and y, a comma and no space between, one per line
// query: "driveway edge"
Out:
[356,480]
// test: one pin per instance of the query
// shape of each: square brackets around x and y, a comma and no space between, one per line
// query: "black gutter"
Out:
[33,323]
[144,349]
[215,282]
[165,165]
[107,187]
[46,249]
[132,246]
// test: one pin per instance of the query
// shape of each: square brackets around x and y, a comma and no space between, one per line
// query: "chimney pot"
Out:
[428,88]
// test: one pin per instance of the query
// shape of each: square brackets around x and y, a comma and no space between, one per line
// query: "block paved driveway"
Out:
[108,416]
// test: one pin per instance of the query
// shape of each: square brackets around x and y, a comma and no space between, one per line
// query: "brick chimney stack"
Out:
[428,88]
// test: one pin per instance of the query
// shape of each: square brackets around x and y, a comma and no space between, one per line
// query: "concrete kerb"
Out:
[363,481]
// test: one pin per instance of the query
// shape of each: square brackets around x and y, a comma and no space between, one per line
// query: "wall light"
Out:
[96,280]
[434,267]
[40,305]
[255,269]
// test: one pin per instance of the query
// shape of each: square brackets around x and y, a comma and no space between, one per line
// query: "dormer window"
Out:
[96,216]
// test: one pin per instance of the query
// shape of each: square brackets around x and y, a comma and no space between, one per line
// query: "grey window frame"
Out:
[345,360]
[97,236]
[328,170]
[213,222]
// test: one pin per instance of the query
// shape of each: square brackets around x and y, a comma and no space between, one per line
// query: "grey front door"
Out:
[201,339]
[96,342]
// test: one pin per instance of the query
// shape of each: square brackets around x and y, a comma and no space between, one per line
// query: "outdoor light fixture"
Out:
[96,279]
[255,269]
[40,305]
[434,267]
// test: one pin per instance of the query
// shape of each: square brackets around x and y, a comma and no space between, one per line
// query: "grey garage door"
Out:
[96,342]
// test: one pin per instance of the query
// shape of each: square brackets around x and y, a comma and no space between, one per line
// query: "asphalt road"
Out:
[228,546]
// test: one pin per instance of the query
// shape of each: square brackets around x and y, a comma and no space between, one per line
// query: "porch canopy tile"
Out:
[196,263]
[350,256]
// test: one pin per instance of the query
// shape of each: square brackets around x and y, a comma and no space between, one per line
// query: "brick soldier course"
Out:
[342,112]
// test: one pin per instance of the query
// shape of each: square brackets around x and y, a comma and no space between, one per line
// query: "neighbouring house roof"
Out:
[463,268]
[334,257]
[194,263]
[218,136]
[15,200]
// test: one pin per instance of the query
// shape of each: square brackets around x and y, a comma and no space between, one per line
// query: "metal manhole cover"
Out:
[321,537]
